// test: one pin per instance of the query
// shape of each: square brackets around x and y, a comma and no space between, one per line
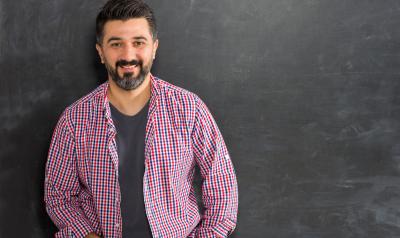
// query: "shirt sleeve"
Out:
[62,186]
[219,188]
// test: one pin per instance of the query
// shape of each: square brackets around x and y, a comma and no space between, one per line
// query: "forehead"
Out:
[133,27]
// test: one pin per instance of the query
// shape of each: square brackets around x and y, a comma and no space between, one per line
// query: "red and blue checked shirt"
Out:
[82,193]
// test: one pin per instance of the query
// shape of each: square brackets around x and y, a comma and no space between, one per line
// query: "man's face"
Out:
[127,50]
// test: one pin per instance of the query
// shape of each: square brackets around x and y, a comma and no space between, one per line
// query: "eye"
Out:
[138,43]
[116,44]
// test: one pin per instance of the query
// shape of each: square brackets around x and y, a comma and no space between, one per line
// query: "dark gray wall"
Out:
[305,93]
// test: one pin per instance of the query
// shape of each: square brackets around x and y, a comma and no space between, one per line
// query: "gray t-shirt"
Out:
[131,132]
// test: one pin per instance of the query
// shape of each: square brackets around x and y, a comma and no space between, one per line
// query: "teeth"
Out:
[129,67]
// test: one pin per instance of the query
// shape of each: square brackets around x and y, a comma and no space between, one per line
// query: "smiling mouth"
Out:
[129,66]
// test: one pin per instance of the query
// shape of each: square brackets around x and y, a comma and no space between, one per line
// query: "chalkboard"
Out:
[305,92]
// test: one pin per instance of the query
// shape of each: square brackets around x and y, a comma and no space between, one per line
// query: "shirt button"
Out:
[116,225]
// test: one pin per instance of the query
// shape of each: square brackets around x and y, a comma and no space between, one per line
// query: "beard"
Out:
[128,81]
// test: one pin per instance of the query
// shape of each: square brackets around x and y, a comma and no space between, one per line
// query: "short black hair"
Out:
[124,10]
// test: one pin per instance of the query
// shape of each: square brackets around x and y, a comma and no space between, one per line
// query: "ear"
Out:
[155,47]
[100,52]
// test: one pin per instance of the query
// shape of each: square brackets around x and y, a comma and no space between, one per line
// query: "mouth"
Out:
[128,68]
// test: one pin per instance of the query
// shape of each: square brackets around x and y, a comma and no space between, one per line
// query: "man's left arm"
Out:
[219,189]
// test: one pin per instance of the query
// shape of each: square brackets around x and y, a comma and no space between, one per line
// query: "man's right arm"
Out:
[62,185]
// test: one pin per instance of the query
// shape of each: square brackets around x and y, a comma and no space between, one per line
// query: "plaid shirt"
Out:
[82,193]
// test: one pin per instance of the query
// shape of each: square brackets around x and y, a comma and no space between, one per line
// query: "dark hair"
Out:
[124,10]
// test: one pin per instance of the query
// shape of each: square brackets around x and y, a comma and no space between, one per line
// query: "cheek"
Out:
[147,53]
[110,56]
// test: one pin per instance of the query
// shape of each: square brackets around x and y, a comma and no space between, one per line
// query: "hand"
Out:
[92,235]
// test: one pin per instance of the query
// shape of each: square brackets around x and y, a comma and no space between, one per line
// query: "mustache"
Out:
[121,63]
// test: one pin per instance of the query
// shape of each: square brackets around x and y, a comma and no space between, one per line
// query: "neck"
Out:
[129,102]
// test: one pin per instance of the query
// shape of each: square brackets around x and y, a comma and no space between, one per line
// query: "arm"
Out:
[62,185]
[220,195]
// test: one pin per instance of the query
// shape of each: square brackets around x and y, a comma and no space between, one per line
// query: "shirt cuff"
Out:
[80,229]
[223,229]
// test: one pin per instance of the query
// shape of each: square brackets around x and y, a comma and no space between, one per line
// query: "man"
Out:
[121,160]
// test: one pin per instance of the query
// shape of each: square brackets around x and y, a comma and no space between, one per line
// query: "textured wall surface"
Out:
[305,92]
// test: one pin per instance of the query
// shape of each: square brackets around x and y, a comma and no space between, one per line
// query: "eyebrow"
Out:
[114,38]
[140,38]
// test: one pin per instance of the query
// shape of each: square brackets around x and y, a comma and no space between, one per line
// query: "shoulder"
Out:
[169,91]
[86,105]
[181,105]
[184,103]
[169,88]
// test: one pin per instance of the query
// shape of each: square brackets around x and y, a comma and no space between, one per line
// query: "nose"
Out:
[128,53]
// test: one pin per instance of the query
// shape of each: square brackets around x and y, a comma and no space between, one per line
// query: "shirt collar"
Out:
[154,92]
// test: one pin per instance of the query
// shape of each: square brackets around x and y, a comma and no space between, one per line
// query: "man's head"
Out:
[127,41]
[124,10]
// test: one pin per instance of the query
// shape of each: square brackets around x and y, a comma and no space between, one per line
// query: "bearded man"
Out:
[121,160]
